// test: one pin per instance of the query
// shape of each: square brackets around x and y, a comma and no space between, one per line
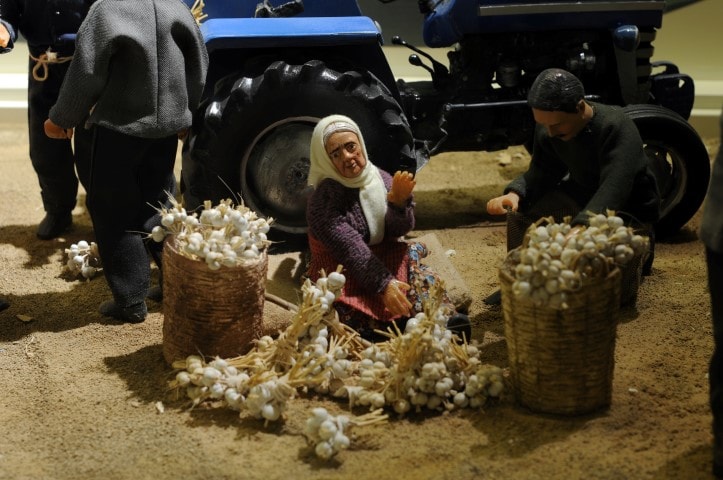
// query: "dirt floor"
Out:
[80,393]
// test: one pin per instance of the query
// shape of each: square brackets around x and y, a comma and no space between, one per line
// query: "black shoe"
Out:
[717,470]
[53,225]
[4,304]
[494,299]
[460,325]
[155,293]
[133,314]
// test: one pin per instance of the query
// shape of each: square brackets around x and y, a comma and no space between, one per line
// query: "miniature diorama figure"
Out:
[139,70]
[49,28]
[711,233]
[587,158]
[356,216]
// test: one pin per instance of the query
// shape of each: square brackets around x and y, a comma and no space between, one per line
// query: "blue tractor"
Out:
[275,69]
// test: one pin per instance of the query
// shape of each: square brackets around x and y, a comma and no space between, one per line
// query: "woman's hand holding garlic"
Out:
[395,298]
[402,185]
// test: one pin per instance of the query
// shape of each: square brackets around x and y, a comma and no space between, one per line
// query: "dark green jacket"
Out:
[606,163]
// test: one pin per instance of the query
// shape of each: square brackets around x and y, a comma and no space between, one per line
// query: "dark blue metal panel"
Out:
[452,19]
[225,33]
[246,8]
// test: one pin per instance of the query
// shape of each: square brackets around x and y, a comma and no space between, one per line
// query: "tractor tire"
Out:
[254,136]
[680,162]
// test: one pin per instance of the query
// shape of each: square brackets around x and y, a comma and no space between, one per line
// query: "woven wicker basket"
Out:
[561,361]
[210,312]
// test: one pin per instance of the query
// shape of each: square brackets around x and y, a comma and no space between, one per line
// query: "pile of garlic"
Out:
[225,235]
[557,258]
[83,259]
[424,367]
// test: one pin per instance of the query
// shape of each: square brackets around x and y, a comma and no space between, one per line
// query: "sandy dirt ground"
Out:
[79,393]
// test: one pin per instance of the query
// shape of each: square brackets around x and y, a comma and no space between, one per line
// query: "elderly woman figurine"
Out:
[356,216]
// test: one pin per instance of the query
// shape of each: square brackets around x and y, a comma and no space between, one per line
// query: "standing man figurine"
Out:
[139,69]
[586,157]
[711,233]
[49,26]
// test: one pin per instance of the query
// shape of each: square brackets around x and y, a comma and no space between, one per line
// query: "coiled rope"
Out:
[42,62]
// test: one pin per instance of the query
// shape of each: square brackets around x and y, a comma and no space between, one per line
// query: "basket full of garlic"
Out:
[214,279]
[560,300]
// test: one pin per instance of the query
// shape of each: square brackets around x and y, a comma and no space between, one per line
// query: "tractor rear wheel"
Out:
[680,162]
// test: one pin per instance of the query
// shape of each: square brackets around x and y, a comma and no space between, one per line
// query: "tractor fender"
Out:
[245,33]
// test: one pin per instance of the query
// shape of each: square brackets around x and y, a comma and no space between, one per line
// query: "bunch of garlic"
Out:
[258,391]
[83,259]
[424,367]
[216,380]
[557,258]
[326,433]
[225,235]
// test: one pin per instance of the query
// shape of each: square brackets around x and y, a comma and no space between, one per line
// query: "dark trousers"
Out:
[53,159]
[714,263]
[130,178]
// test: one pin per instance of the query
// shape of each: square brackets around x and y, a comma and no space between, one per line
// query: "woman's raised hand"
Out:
[402,185]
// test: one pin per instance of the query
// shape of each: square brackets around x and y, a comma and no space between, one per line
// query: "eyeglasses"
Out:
[349,147]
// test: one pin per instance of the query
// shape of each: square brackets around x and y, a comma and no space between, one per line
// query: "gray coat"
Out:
[139,65]
[711,229]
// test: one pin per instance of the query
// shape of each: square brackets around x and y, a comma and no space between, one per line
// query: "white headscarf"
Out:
[372,193]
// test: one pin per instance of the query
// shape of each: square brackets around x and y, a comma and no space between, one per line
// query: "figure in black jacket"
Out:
[49,26]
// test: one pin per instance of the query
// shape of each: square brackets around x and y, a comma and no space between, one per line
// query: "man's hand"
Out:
[54,131]
[499,205]
[4,36]
[395,298]
[402,185]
